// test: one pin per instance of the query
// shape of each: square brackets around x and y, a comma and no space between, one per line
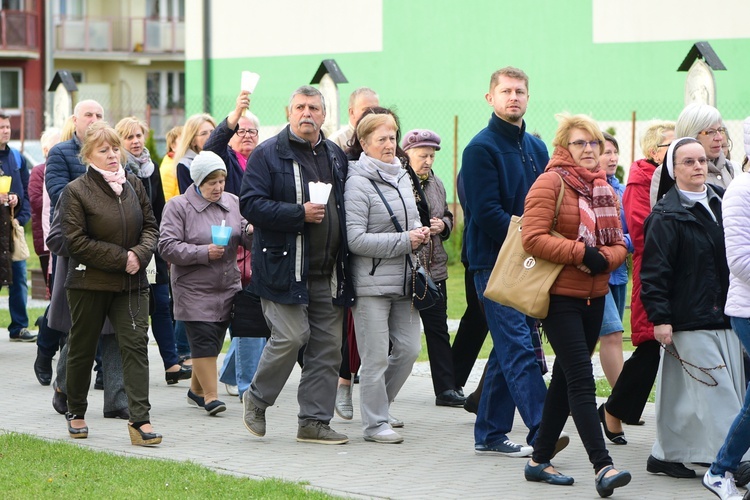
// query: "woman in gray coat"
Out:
[377,186]
[205,277]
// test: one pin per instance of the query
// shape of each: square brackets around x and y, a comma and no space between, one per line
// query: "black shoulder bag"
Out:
[424,292]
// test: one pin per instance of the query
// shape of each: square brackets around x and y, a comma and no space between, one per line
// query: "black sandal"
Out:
[615,437]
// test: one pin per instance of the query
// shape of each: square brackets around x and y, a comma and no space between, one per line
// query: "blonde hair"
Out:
[68,129]
[98,133]
[49,138]
[509,72]
[369,123]
[190,130]
[129,125]
[172,136]
[568,122]
[653,136]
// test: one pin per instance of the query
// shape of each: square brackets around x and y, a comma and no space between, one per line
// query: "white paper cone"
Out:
[319,192]
[249,81]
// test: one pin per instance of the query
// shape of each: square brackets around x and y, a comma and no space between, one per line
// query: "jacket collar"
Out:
[502,127]
[674,203]
[200,203]
[284,146]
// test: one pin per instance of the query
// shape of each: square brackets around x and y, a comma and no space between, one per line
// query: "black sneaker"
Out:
[23,336]
[672,469]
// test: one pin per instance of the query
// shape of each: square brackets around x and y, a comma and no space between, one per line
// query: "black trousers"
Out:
[472,331]
[572,327]
[633,386]
[435,322]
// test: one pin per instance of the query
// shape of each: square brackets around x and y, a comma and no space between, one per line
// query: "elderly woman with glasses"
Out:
[591,248]
[702,122]
[685,279]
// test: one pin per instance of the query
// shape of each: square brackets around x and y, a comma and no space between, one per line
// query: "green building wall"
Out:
[438,56]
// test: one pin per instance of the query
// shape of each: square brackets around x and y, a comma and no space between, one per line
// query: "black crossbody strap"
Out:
[396,224]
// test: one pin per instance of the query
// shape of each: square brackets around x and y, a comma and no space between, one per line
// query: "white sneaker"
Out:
[722,486]
[232,390]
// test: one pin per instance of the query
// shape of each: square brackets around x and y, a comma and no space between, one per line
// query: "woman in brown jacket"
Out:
[592,247]
[111,234]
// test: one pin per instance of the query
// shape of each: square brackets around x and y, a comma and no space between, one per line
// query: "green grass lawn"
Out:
[41,469]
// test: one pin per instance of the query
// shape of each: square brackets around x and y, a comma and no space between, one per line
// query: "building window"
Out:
[11,5]
[165,9]
[166,89]
[11,89]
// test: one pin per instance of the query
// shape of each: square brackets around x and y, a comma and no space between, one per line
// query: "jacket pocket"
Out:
[275,266]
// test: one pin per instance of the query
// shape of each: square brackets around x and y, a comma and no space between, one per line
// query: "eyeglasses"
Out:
[242,132]
[712,132]
[583,144]
[690,162]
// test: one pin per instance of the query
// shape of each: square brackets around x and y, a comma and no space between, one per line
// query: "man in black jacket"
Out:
[299,259]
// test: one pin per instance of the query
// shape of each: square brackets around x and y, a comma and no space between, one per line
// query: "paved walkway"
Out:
[436,460]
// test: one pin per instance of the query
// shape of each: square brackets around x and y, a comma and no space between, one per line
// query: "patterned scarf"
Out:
[141,165]
[114,179]
[597,202]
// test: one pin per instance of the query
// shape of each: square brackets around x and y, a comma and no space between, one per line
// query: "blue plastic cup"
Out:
[220,235]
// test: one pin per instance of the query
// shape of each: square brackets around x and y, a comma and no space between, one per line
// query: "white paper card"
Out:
[249,81]
[151,271]
[319,192]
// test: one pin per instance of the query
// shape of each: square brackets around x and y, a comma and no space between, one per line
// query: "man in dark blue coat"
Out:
[14,165]
[499,166]
[299,264]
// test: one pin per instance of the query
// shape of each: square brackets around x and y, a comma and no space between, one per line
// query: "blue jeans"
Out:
[611,321]
[180,335]
[738,438]
[161,325]
[241,362]
[513,378]
[619,293]
[18,295]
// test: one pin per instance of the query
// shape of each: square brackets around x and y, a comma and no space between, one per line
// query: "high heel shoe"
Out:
[76,433]
[184,373]
[615,437]
[140,438]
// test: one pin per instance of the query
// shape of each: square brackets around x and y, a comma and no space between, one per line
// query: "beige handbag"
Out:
[520,280]
[20,248]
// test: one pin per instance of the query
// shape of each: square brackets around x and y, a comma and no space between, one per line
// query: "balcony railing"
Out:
[18,30]
[124,35]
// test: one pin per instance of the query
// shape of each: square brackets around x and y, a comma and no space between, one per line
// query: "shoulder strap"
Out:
[17,156]
[396,224]
[559,200]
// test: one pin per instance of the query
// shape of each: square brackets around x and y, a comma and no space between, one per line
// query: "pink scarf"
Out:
[597,202]
[242,160]
[114,179]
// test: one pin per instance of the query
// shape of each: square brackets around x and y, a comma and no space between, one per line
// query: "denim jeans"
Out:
[48,341]
[241,362]
[513,377]
[738,438]
[180,335]
[18,295]
[161,325]
[619,293]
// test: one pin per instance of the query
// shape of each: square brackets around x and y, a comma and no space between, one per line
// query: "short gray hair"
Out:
[694,118]
[361,91]
[309,91]
[251,116]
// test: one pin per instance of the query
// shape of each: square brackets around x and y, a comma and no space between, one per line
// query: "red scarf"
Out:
[597,201]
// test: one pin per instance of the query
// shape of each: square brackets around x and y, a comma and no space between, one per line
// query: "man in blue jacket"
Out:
[14,165]
[499,166]
[299,264]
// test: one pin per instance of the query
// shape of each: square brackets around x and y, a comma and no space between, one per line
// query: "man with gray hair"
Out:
[299,266]
[360,101]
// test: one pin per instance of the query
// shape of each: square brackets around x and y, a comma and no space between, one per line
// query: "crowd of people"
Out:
[315,243]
